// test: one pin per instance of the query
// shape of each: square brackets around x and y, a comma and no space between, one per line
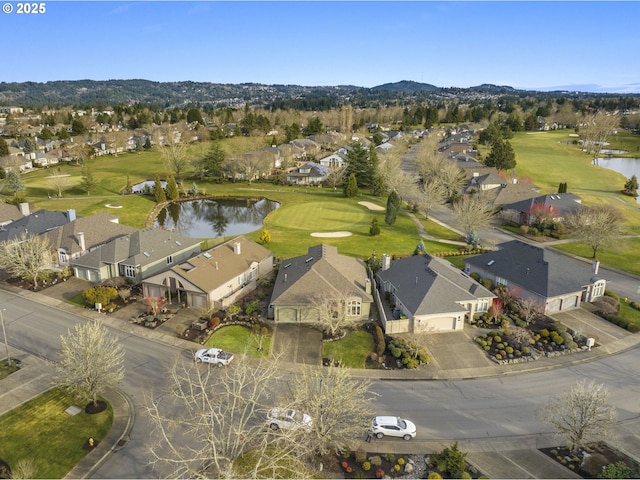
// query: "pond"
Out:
[215,217]
[626,166]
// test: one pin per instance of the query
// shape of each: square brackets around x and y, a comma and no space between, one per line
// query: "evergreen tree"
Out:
[374,229]
[501,156]
[420,248]
[195,115]
[172,188]
[351,188]
[88,181]
[265,236]
[292,132]
[358,164]
[632,185]
[393,207]
[128,189]
[14,183]
[158,192]
[4,148]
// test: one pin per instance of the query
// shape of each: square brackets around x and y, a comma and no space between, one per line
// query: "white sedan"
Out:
[288,419]
[214,356]
[393,427]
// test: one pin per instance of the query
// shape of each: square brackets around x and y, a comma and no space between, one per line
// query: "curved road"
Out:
[443,410]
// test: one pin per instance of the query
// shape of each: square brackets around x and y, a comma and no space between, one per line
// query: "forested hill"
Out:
[179,94]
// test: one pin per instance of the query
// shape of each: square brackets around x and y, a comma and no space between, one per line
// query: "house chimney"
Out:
[236,248]
[71,214]
[367,286]
[596,266]
[83,247]
[216,264]
[285,278]
[386,262]
[24,208]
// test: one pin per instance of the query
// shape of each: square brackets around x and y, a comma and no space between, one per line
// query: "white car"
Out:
[288,419]
[215,356]
[393,427]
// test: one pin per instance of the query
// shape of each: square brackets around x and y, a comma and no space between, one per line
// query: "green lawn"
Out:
[351,351]
[629,313]
[40,431]
[622,254]
[239,339]
[6,368]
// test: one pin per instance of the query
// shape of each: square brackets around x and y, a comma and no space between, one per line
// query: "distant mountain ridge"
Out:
[178,94]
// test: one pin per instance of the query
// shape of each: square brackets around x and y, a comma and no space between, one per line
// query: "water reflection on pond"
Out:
[626,166]
[215,217]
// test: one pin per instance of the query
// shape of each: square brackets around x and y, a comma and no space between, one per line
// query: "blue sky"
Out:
[589,46]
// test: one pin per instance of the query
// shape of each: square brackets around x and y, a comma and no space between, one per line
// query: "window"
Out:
[169,259]
[253,273]
[483,305]
[130,271]
[353,308]
[501,281]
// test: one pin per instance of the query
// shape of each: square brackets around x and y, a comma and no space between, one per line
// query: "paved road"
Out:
[490,414]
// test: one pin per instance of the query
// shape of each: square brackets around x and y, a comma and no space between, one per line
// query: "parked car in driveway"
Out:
[288,419]
[214,356]
[393,427]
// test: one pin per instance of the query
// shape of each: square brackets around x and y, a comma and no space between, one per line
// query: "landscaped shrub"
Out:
[609,293]
[366,466]
[558,327]
[633,328]
[379,473]
[378,335]
[102,295]
[594,464]
[376,460]
[616,470]
[486,283]
[434,476]
[475,276]
[451,460]
[361,455]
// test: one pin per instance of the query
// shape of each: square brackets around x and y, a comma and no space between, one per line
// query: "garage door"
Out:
[445,324]
[286,315]
[554,305]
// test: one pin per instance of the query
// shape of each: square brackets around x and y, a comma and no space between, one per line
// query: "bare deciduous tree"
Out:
[596,226]
[529,309]
[331,311]
[393,177]
[90,360]
[338,403]
[209,419]
[473,212]
[27,256]
[59,182]
[581,415]
[430,194]
[173,144]
[596,130]
[336,176]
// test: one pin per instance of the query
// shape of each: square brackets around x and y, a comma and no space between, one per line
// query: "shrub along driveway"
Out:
[590,325]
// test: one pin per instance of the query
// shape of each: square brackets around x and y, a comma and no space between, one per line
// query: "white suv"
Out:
[288,419]
[393,427]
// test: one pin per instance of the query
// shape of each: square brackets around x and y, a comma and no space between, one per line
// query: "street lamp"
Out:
[4,335]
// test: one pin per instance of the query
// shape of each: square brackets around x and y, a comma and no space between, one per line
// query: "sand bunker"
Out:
[371,206]
[331,234]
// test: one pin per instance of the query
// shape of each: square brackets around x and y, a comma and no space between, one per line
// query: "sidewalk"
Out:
[513,457]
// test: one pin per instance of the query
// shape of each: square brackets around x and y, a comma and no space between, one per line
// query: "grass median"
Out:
[42,433]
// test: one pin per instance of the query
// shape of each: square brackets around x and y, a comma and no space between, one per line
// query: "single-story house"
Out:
[321,272]
[78,237]
[35,223]
[429,294]
[334,160]
[216,278]
[557,282]
[488,181]
[309,173]
[136,256]
[553,206]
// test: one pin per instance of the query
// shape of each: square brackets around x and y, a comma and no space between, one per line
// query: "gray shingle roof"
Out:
[321,269]
[35,224]
[539,270]
[564,203]
[429,285]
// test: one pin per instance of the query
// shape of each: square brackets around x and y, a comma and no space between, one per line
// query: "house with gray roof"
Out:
[10,213]
[336,159]
[309,173]
[556,281]
[80,236]
[488,181]
[135,256]
[429,295]
[321,271]
[552,206]
[216,278]
[36,223]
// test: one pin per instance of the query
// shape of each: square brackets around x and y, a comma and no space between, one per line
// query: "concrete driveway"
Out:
[590,325]
[298,343]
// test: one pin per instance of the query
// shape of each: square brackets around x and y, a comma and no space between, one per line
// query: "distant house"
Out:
[309,173]
[429,295]
[553,206]
[216,278]
[384,147]
[322,271]
[136,256]
[10,213]
[80,236]
[557,282]
[488,181]
[334,160]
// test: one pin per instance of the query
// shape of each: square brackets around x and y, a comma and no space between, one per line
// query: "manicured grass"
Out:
[239,339]
[77,300]
[352,350]
[41,431]
[436,230]
[622,254]
[6,369]
[629,313]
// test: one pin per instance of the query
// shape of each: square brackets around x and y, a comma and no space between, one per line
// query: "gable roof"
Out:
[539,270]
[215,267]
[516,192]
[9,213]
[321,269]
[98,229]
[429,285]
[35,224]
[140,248]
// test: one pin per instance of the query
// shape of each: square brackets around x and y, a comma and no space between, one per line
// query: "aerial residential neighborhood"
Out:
[319,240]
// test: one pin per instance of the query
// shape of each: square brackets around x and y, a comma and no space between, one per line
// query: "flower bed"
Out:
[592,462]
